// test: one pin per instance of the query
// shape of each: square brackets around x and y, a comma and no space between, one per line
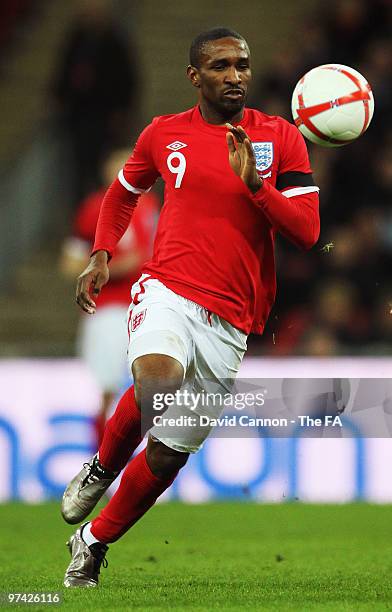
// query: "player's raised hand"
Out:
[242,158]
[94,277]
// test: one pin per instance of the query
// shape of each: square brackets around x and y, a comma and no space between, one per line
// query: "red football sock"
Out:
[138,491]
[122,433]
[99,428]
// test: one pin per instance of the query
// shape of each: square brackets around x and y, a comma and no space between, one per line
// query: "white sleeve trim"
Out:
[128,186]
[294,191]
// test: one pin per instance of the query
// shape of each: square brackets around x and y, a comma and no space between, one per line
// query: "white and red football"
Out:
[332,105]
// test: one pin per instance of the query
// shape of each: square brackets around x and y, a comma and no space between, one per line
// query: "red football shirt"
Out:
[215,239]
[138,235]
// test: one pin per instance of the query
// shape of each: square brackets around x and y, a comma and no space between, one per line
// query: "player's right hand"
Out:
[94,277]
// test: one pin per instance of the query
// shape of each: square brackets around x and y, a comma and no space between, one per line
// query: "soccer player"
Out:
[234,178]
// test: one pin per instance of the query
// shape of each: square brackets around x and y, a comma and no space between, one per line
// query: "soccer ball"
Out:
[332,105]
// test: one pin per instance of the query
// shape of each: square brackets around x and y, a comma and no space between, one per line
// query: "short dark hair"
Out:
[204,37]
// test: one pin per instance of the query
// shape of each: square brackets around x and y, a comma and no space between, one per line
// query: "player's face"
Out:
[224,75]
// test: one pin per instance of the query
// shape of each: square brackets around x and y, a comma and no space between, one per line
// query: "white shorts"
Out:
[102,344]
[209,348]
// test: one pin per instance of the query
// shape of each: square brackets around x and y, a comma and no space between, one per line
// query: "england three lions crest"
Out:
[264,153]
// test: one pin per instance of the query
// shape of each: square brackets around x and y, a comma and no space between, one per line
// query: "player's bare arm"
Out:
[94,277]
[242,157]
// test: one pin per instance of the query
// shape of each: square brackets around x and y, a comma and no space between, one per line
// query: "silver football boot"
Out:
[84,569]
[85,490]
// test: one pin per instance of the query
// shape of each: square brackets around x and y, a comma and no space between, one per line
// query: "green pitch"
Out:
[228,556]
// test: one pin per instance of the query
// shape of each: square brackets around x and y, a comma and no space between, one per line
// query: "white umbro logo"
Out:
[176,145]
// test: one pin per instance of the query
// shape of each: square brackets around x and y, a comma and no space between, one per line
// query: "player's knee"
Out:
[155,374]
[164,462]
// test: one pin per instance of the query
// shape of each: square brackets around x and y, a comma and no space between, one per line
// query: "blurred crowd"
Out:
[95,92]
[11,12]
[337,299]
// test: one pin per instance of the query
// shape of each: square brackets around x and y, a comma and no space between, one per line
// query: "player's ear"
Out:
[193,75]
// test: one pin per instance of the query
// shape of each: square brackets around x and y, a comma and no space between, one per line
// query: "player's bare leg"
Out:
[164,461]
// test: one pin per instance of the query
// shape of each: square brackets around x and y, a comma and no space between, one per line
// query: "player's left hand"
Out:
[242,158]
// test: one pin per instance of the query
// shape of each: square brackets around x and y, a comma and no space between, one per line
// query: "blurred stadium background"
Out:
[80,78]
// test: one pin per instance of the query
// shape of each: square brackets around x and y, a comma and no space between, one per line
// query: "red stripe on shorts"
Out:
[142,289]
